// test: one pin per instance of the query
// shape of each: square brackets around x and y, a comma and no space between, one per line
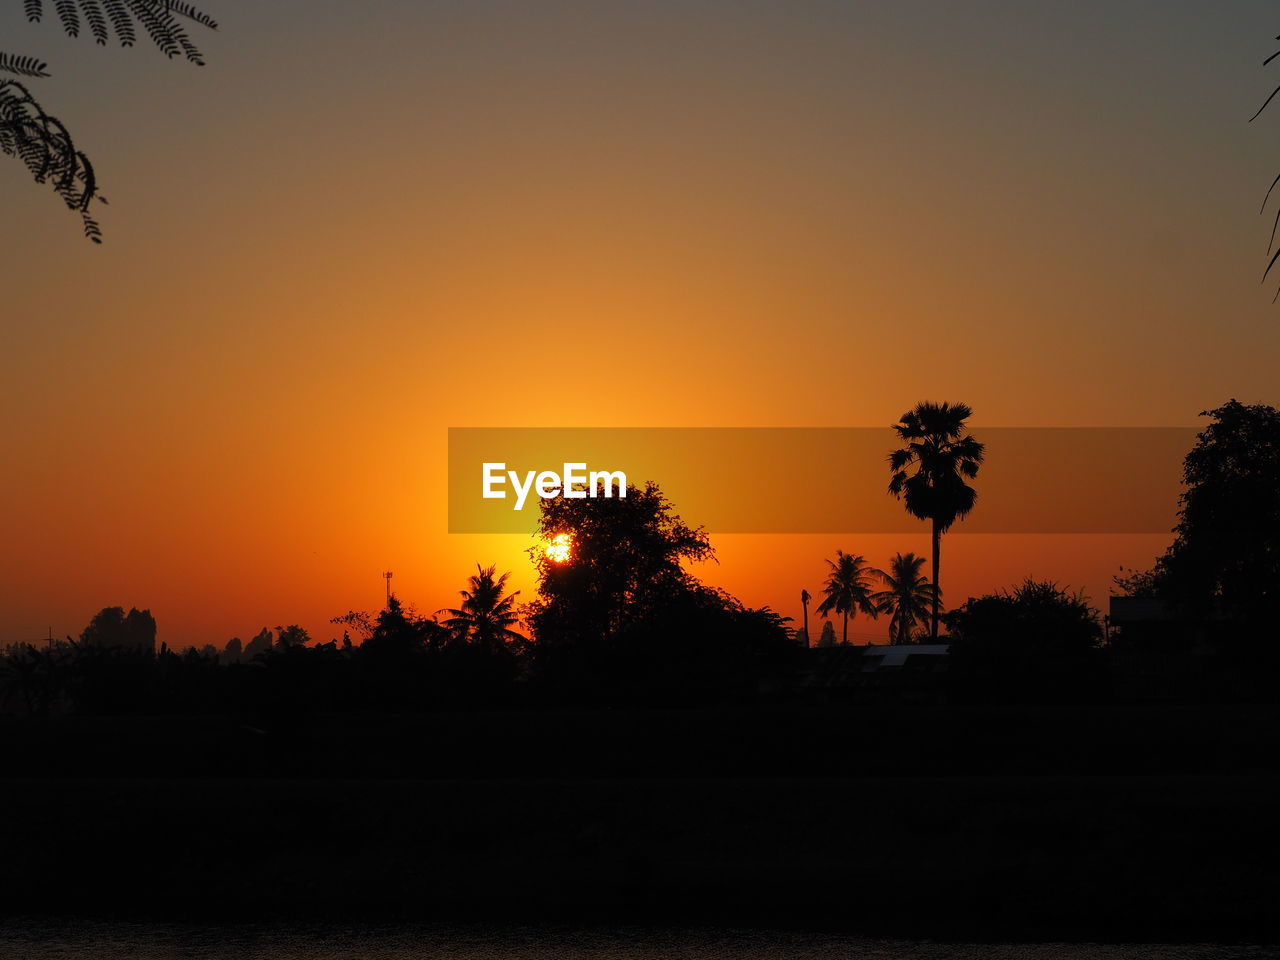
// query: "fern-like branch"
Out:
[121,22]
[184,9]
[40,140]
[69,15]
[157,18]
[44,145]
[23,66]
[1271,243]
[96,19]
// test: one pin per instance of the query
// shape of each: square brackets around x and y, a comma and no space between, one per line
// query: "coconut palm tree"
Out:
[848,589]
[906,597]
[487,614]
[930,471]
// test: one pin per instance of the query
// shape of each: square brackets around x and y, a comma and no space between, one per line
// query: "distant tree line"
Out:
[619,619]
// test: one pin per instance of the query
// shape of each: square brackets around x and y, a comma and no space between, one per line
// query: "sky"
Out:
[362,224]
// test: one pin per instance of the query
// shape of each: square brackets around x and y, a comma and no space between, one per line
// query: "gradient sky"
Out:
[364,223]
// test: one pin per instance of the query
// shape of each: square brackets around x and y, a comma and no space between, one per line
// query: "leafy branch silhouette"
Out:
[1271,243]
[40,140]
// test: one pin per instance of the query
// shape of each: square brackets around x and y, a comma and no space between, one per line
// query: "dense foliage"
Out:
[621,618]
[1034,642]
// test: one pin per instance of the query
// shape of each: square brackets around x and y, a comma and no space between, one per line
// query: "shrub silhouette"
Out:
[1033,643]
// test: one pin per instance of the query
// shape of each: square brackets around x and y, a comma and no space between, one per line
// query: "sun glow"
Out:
[559,548]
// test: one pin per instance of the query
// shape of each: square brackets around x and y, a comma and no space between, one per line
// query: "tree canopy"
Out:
[618,616]
[1035,641]
[1225,558]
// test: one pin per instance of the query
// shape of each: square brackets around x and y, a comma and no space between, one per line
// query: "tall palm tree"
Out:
[804,602]
[848,589]
[487,614]
[930,471]
[906,597]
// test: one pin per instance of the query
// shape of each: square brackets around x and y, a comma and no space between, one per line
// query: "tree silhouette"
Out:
[487,613]
[358,620]
[400,635]
[804,602]
[618,618]
[626,562]
[930,471]
[291,636]
[231,652]
[258,646]
[111,627]
[36,673]
[848,589]
[907,596]
[40,140]
[828,636]
[1143,584]
[1033,642]
[1225,558]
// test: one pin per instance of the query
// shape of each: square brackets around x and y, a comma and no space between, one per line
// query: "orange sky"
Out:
[361,225]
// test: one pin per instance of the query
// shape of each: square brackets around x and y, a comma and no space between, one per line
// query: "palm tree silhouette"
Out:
[906,597]
[848,589]
[944,457]
[487,614]
[804,602]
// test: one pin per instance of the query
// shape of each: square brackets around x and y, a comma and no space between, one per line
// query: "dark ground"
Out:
[1101,823]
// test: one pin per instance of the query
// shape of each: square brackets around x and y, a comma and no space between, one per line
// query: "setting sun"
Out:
[558,549]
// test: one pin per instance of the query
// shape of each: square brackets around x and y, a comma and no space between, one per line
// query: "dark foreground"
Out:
[34,940]
[1155,827]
